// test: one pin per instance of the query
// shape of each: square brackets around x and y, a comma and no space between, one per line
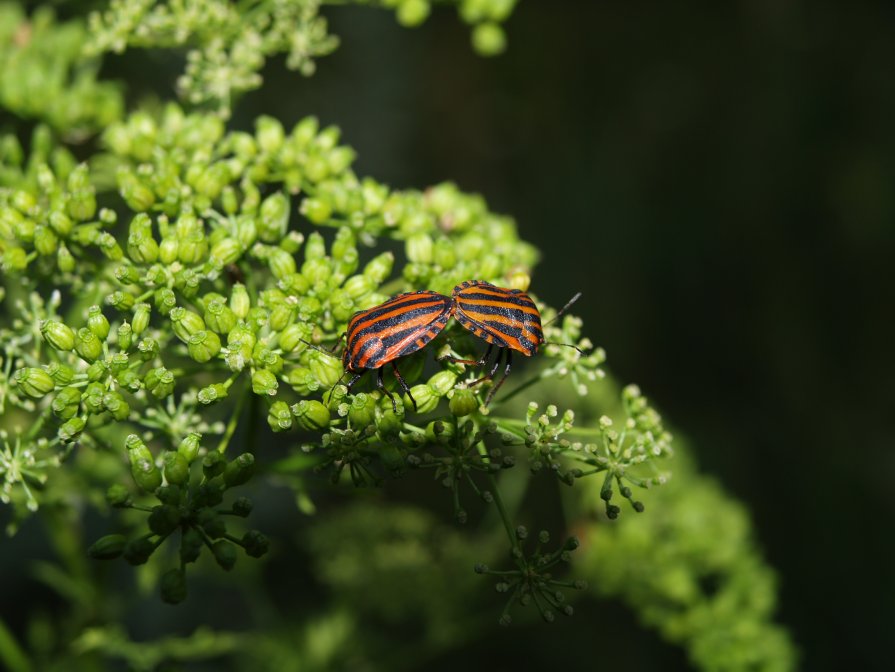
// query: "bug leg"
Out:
[493,370]
[403,384]
[471,362]
[506,373]
[336,384]
[380,385]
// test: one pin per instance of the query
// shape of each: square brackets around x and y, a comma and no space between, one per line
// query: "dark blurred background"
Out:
[719,181]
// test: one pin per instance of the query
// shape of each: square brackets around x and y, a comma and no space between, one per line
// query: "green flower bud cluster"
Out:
[40,54]
[24,467]
[531,581]
[189,488]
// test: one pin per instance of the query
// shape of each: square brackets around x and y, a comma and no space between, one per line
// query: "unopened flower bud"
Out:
[165,300]
[159,382]
[115,404]
[264,382]
[58,335]
[185,323]
[97,322]
[172,586]
[442,382]
[224,554]
[362,411]
[33,382]
[213,393]
[379,268]
[239,301]
[177,469]
[239,470]
[311,414]
[63,374]
[88,345]
[204,346]
[327,369]
[463,402]
[108,547]
[117,496]
[255,544]
[273,217]
[219,317]
[279,417]
[164,519]
[213,464]
[143,469]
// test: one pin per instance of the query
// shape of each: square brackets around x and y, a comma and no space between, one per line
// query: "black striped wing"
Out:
[508,318]
[400,326]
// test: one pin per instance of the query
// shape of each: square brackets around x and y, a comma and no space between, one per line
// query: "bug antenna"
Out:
[317,347]
[559,314]
[566,345]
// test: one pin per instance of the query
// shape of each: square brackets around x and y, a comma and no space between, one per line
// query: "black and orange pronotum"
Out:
[399,327]
[505,318]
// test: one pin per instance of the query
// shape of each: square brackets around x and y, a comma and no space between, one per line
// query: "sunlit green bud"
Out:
[317,271]
[264,382]
[109,246]
[23,201]
[137,551]
[116,405]
[340,158]
[71,429]
[281,316]
[302,380]
[88,345]
[305,131]
[108,547]
[138,196]
[164,519]
[159,382]
[316,167]
[212,180]
[419,248]
[224,554]
[66,403]
[146,474]
[213,464]
[168,250]
[327,369]
[379,268]
[97,371]
[426,400]
[148,348]
[471,246]
[127,274]
[239,301]
[412,13]
[191,544]
[488,39]
[463,402]
[15,259]
[390,423]
[344,243]
[266,358]
[315,247]
[255,544]
[165,301]
[212,394]
[118,496]
[316,210]
[141,246]
[341,305]
[119,361]
[204,346]
[45,241]
[58,335]
[362,411]
[189,447]
[97,322]
[240,343]
[64,260]
[226,251]
[279,417]
[518,279]
[120,301]
[491,266]
[281,263]
[60,223]
[311,414]
[242,507]
[292,336]
[239,470]
[130,380]
[141,318]
[442,382]
[219,318]
[61,373]
[192,249]
[257,318]
[269,134]
[359,286]
[172,586]
[177,469]
[440,432]
[185,323]
[273,217]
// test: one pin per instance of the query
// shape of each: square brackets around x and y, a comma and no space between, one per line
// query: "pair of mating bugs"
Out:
[507,319]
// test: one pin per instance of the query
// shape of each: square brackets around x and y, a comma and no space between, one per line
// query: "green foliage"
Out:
[190,281]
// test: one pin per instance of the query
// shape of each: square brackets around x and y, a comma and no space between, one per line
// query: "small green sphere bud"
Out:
[426,400]
[419,248]
[33,382]
[411,13]
[463,402]
[226,251]
[224,553]
[488,39]
[88,345]
[120,301]
[97,322]
[213,524]
[159,382]
[273,218]
[239,301]
[282,315]
[108,547]
[293,336]
[318,211]
[137,196]
[242,507]
[170,494]
[281,263]
[164,519]
[213,464]
[327,369]
[212,394]
[177,469]
[45,240]
[115,404]
[118,496]
[441,432]
[279,417]
[168,251]
[442,382]
[185,323]
[269,134]
[172,586]
[264,382]
[141,318]
[71,429]
[143,469]
[189,447]
[362,411]
[311,415]
[61,223]
[204,346]
[137,551]
[124,336]
[379,268]
[67,403]
[64,260]
[239,470]
[358,286]
[165,300]
[219,317]
[390,423]
[63,374]
[255,544]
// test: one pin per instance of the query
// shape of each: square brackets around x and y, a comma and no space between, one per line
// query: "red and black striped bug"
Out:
[505,318]
[399,327]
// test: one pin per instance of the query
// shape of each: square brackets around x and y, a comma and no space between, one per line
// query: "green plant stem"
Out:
[12,655]
[234,421]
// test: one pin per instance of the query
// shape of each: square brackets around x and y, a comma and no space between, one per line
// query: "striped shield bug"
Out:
[399,327]
[506,319]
